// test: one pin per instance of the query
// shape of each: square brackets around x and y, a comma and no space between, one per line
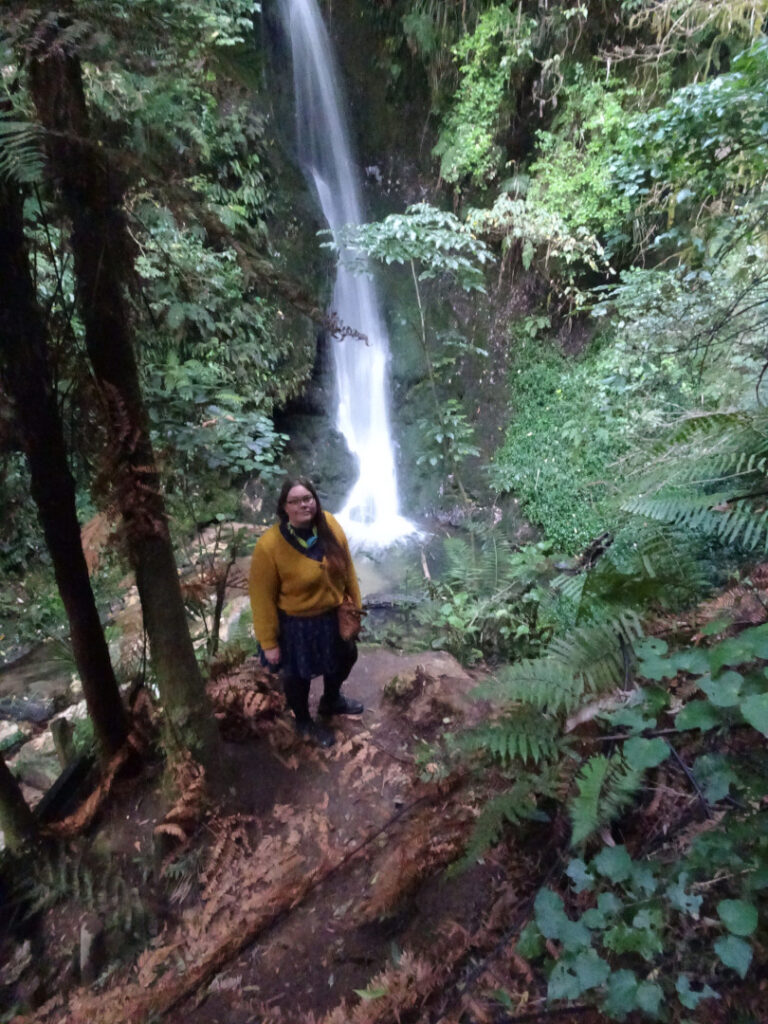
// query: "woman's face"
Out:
[300,506]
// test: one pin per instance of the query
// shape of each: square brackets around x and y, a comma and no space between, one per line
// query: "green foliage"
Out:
[439,245]
[498,49]
[637,908]
[708,140]
[588,661]
[436,240]
[20,150]
[708,475]
[606,786]
[94,882]
[523,735]
[571,176]
[486,602]
[532,231]
[513,807]
[573,420]
[449,442]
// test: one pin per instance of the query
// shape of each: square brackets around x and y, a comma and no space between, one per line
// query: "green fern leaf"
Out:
[606,786]
[513,807]
[21,155]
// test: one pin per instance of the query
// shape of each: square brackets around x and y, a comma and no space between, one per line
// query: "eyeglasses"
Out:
[306,500]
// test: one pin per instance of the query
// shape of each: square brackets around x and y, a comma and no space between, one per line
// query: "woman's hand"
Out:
[273,655]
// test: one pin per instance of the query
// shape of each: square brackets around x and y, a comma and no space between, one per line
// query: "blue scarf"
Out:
[309,542]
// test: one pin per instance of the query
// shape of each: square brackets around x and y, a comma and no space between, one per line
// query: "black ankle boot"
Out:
[339,705]
[316,733]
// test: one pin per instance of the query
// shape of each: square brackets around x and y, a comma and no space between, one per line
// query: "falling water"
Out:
[371,513]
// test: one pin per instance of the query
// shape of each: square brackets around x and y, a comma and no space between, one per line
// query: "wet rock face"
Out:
[26,709]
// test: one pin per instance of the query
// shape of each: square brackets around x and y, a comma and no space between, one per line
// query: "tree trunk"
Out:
[92,190]
[25,369]
[16,820]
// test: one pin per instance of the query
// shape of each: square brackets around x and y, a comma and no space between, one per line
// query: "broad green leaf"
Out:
[714,775]
[613,862]
[649,997]
[694,660]
[550,913]
[755,711]
[650,645]
[734,953]
[580,877]
[630,718]
[686,902]
[748,645]
[642,753]
[530,944]
[574,935]
[622,994]
[590,969]
[609,903]
[625,938]
[738,916]
[689,998]
[723,692]
[644,878]
[697,714]
[563,983]
[573,975]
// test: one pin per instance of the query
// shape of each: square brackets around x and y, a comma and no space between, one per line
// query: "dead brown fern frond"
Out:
[232,843]
[244,703]
[94,538]
[745,603]
[186,814]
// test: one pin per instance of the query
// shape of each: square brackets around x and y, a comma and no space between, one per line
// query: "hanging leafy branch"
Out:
[433,243]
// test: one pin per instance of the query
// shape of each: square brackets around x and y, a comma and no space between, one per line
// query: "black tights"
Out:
[297,689]
[297,693]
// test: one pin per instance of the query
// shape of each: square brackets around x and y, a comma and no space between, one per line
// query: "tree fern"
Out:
[709,476]
[488,564]
[606,785]
[648,564]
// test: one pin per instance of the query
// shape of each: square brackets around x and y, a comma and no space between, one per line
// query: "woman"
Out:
[301,570]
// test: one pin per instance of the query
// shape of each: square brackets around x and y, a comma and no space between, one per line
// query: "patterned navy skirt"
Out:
[311,646]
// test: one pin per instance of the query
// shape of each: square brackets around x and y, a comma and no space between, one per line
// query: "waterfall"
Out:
[371,513]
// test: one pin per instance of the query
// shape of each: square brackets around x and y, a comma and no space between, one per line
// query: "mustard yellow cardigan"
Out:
[282,577]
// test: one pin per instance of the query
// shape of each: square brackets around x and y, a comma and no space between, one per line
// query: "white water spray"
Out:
[371,514]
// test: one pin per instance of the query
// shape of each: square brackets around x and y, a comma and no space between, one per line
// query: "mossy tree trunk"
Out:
[16,819]
[25,370]
[92,188]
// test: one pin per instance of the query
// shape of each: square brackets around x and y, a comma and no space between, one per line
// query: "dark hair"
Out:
[335,555]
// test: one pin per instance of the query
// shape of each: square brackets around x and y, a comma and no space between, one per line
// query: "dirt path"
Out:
[353,815]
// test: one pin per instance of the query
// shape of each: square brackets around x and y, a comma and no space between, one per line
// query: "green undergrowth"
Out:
[648,756]
[573,420]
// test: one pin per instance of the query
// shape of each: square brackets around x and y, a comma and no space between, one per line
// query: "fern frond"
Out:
[590,660]
[647,565]
[741,523]
[523,734]
[516,805]
[21,154]
[606,786]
